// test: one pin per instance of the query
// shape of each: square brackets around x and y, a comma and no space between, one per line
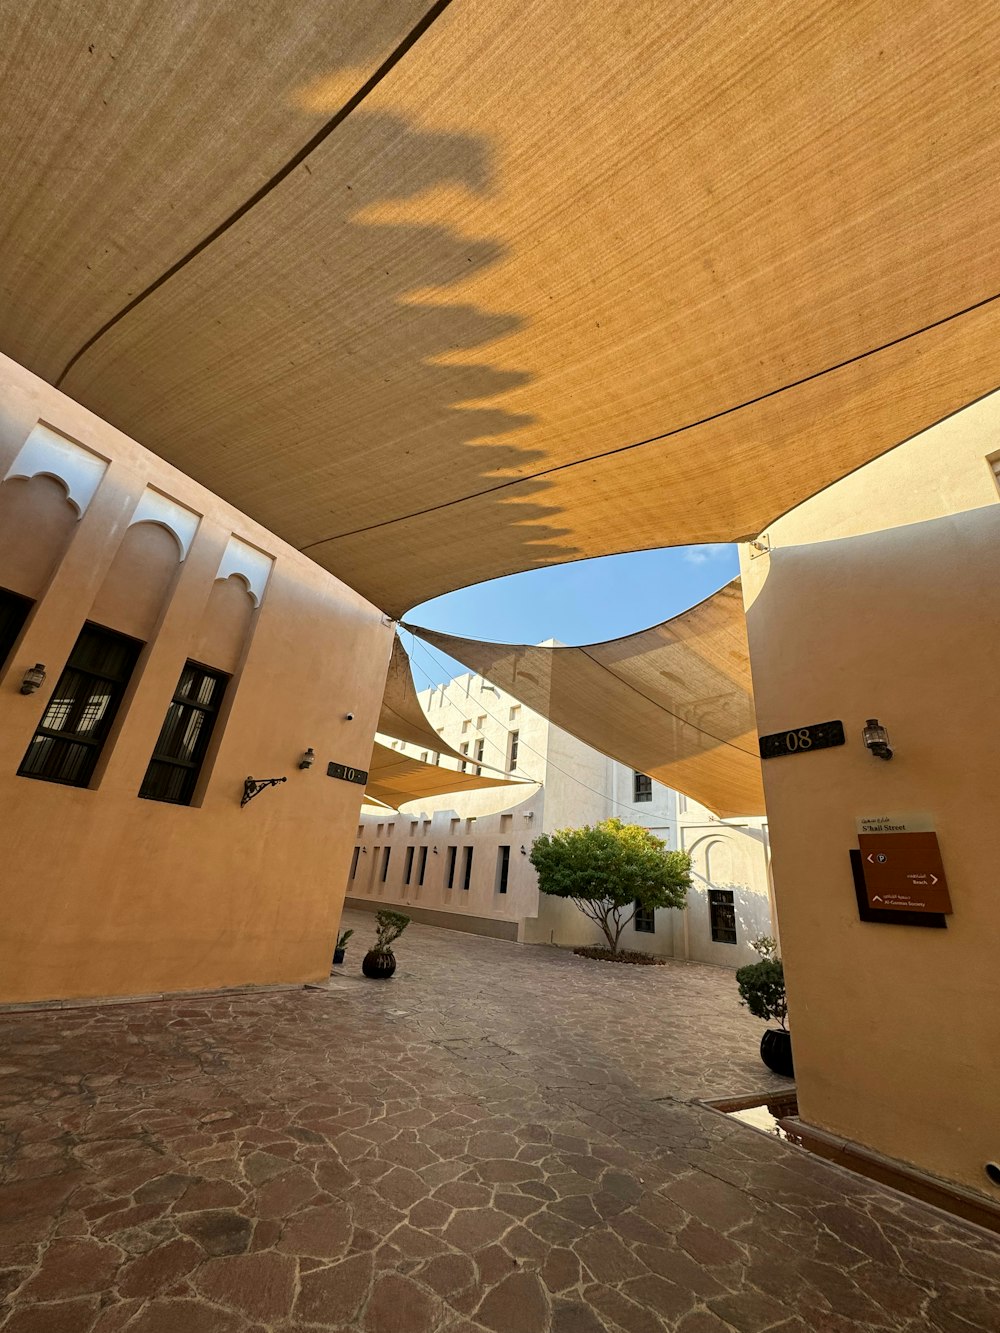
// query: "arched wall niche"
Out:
[718,862]
[139,582]
[37,522]
[225,627]
[700,852]
[46,452]
[177,519]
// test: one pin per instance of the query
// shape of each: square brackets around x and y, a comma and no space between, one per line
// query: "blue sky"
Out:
[583,602]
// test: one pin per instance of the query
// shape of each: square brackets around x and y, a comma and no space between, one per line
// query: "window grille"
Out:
[75,725]
[644,919]
[642,787]
[13,613]
[722,910]
[180,748]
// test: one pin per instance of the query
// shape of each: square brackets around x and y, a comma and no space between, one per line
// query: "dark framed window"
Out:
[642,787]
[467,868]
[477,754]
[644,919]
[464,748]
[513,745]
[354,863]
[503,868]
[408,865]
[13,613]
[452,858]
[180,747]
[386,853]
[722,910]
[75,725]
[422,865]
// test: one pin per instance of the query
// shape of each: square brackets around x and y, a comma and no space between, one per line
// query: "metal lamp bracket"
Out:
[254,786]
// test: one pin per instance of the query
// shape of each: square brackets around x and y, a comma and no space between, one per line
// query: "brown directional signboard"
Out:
[904,872]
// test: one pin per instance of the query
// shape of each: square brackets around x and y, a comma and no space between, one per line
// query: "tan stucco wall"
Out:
[104,893]
[895,1028]
[484,821]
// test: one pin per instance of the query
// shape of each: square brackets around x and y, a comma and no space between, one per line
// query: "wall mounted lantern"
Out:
[308,759]
[876,739]
[523,852]
[33,678]
[435,851]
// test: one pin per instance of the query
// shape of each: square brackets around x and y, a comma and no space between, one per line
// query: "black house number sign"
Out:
[348,774]
[802,740]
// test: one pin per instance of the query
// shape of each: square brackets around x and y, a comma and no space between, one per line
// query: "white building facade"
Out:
[462,861]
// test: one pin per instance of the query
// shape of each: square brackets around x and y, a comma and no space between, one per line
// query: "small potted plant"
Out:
[380,961]
[762,991]
[338,953]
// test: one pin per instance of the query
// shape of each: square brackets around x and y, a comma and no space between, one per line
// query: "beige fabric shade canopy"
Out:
[674,702]
[442,292]
[402,715]
[394,779]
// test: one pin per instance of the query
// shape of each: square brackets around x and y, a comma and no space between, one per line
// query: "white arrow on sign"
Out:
[869,857]
[934,879]
[876,899]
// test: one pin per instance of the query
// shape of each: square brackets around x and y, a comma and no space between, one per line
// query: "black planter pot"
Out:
[776,1051]
[379,966]
[338,955]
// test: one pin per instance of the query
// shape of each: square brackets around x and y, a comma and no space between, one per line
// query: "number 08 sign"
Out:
[802,740]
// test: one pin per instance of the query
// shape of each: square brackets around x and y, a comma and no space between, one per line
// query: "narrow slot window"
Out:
[386,853]
[422,866]
[503,868]
[408,865]
[354,863]
[467,868]
[452,858]
[513,745]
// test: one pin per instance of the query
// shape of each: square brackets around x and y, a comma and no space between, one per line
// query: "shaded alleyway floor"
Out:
[499,1138]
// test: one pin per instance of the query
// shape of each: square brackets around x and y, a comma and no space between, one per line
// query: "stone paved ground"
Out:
[497,1139]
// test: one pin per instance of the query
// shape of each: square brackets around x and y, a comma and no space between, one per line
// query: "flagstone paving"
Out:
[500,1138]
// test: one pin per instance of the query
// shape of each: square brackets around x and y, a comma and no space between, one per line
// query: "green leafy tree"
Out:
[607,868]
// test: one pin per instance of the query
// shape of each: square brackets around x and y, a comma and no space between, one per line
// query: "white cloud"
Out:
[700,555]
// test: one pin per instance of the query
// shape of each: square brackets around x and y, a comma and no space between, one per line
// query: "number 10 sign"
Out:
[802,740]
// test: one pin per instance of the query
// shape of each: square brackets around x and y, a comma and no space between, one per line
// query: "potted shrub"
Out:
[338,953]
[762,991]
[380,961]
